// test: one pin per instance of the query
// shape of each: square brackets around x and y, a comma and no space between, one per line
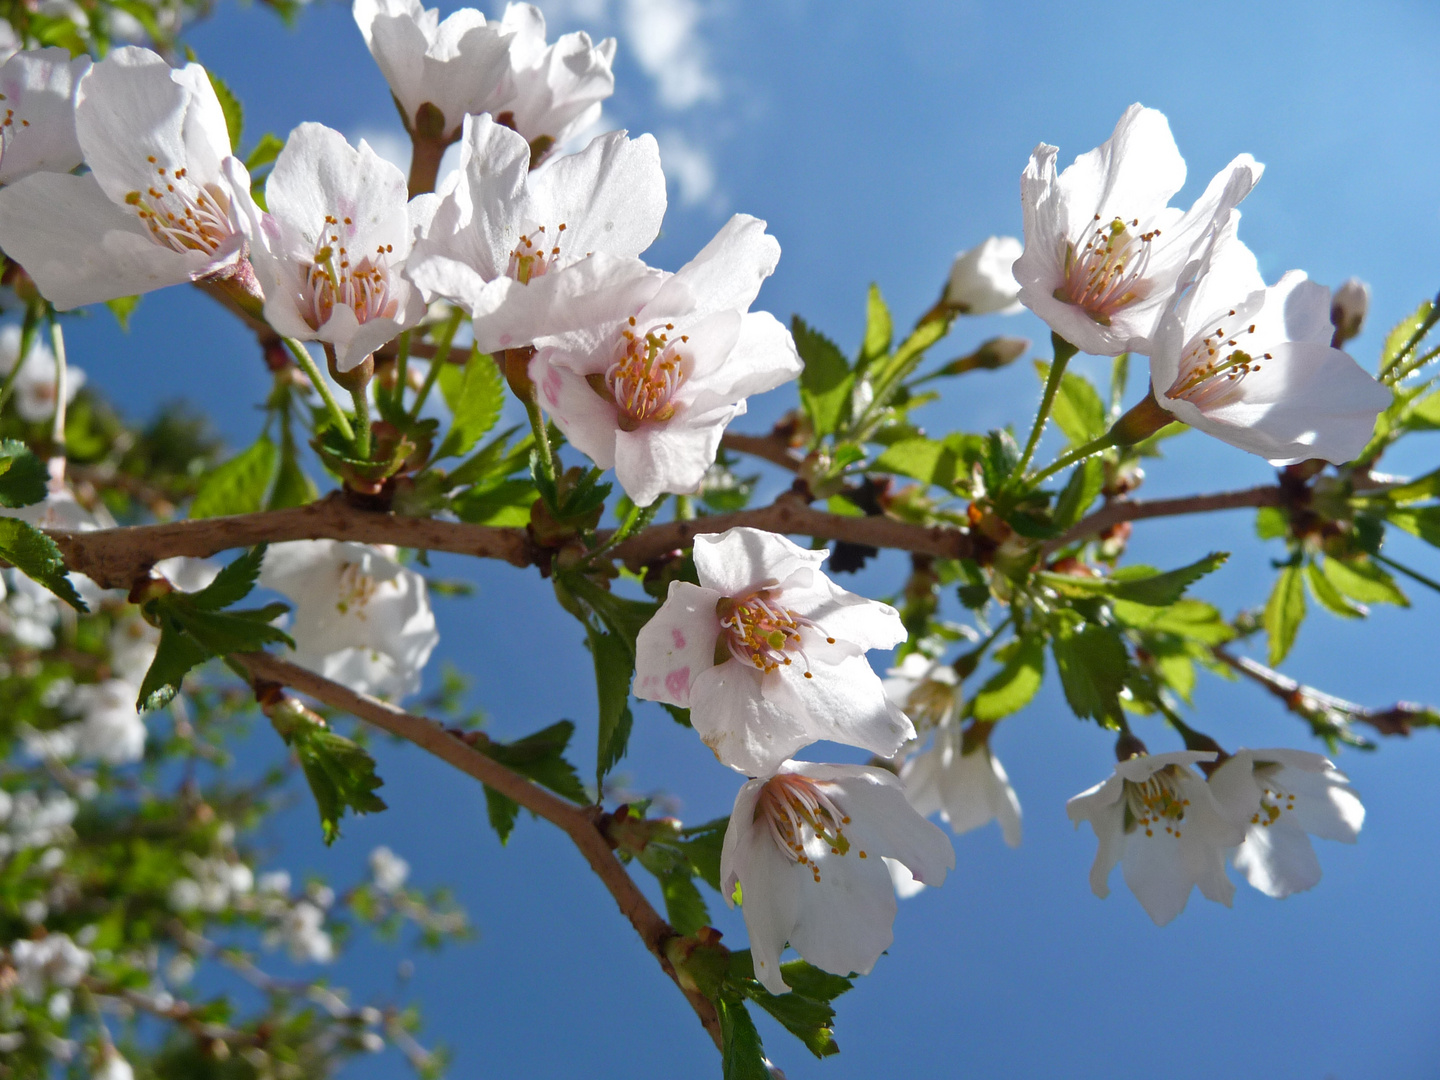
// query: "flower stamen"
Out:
[1208,373]
[1107,273]
[357,589]
[331,278]
[1155,802]
[530,260]
[181,214]
[797,812]
[644,379]
[760,633]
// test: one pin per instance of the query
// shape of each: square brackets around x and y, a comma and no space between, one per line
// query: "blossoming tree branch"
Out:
[396,318]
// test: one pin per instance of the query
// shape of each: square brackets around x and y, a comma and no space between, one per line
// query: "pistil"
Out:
[1107,273]
[331,279]
[797,811]
[182,215]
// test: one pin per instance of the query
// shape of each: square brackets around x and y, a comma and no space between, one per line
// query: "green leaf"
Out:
[1193,620]
[684,906]
[233,583]
[223,632]
[23,476]
[1423,415]
[1329,597]
[926,460]
[1363,581]
[494,460]
[341,775]
[507,502]
[1092,665]
[292,486]
[239,485]
[742,1053]
[805,1011]
[1400,336]
[1078,410]
[1079,492]
[541,757]
[230,106]
[1423,522]
[265,152]
[475,396]
[122,307]
[825,380]
[1011,688]
[1284,612]
[1161,590]
[623,617]
[1271,523]
[702,845]
[614,668]
[502,812]
[174,657]
[879,329]
[36,556]
[908,356]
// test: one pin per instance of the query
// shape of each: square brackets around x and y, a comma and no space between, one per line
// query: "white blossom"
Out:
[967,790]
[276,882]
[213,884]
[1281,798]
[388,870]
[1103,247]
[52,961]
[495,238]
[159,205]
[114,1067]
[666,360]
[982,280]
[133,642]
[37,112]
[330,250]
[790,646]
[301,931]
[1253,365]
[926,690]
[807,846]
[558,86]
[1158,818]
[9,41]
[30,611]
[360,617]
[460,65]
[32,821]
[34,387]
[109,729]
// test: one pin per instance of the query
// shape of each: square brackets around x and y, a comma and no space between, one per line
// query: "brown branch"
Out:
[576,822]
[773,448]
[116,558]
[790,514]
[1121,510]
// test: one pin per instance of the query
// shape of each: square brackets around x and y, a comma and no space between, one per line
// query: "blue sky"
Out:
[877,140]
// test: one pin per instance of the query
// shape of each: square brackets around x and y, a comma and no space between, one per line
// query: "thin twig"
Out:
[772,448]
[1121,510]
[576,822]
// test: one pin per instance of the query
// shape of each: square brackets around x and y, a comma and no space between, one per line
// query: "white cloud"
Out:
[690,169]
[661,33]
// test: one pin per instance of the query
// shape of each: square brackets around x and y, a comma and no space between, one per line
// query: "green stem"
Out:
[542,439]
[362,423]
[1414,575]
[57,342]
[27,339]
[1388,375]
[1079,454]
[402,370]
[307,365]
[1063,352]
[438,361]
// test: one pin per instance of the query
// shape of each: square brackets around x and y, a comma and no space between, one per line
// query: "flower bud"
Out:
[981,280]
[990,356]
[1349,305]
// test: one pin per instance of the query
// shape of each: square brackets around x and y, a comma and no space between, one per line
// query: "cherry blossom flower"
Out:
[559,86]
[109,729]
[1278,796]
[807,846]
[982,279]
[768,654]
[114,1067]
[329,252]
[52,961]
[388,870]
[1253,365]
[159,205]
[1103,249]
[666,361]
[966,790]
[495,237]
[459,66]
[926,690]
[360,617]
[1159,818]
[9,40]
[34,387]
[37,113]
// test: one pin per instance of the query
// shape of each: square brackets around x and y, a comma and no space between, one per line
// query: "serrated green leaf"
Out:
[292,486]
[494,460]
[36,556]
[232,584]
[23,476]
[926,460]
[622,616]
[1161,590]
[1011,688]
[175,656]
[1284,612]
[1417,490]
[1271,523]
[265,151]
[230,106]
[1424,414]
[502,812]
[879,328]
[1423,522]
[506,503]
[702,845]
[825,380]
[341,774]
[685,908]
[1193,620]
[907,357]
[1079,492]
[743,1056]
[223,632]
[1363,581]
[1329,597]
[475,395]
[541,757]
[1400,336]
[1092,665]
[239,485]
[1077,410]
[614,669]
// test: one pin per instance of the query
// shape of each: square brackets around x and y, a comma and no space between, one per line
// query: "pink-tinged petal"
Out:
[591,299]
[905,884]
[883,822]
[847,616]
[587,419]
[762,357]
[669,457]
[772,888]
[842,702]
[727,273]
[83,249]
[676,644]
[1279,859]
[320,174]
[610,196]
[747,731]
[742,558]
[129,109]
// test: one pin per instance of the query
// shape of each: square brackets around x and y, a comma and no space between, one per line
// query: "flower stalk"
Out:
[1064,351]
[308,365]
